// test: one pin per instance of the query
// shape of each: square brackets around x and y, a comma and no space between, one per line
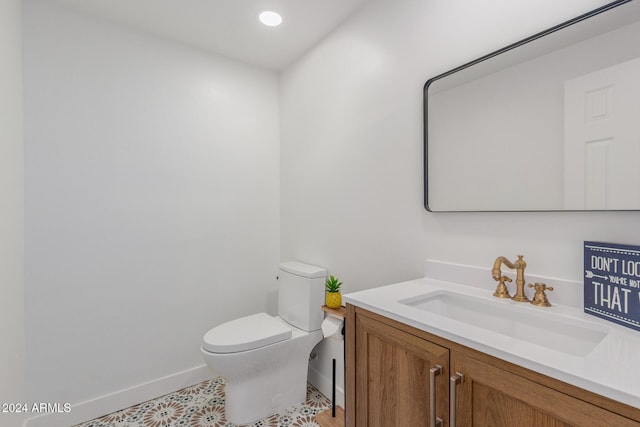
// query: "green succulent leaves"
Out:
[333,284]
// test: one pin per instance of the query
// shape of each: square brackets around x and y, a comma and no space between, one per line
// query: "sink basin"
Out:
[507,318]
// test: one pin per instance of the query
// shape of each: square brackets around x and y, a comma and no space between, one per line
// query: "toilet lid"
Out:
[246,333]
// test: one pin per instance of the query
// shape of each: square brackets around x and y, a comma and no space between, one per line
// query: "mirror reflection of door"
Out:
[602,139]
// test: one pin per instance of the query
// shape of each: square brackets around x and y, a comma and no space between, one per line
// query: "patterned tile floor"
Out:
[202,405]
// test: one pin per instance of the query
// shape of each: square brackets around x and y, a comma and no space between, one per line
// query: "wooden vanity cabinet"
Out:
[388,384]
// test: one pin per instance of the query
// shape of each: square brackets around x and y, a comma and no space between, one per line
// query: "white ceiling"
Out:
[229,27]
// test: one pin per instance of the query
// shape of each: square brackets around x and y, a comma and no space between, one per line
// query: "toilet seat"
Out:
[246,333]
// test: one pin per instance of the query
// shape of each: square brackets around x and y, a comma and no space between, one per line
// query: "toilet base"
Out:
[253,400]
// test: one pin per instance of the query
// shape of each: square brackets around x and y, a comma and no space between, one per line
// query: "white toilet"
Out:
[264,359]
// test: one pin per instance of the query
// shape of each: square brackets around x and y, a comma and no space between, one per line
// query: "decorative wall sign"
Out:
[612,282]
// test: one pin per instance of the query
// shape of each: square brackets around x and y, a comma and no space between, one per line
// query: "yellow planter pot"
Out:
[333,300]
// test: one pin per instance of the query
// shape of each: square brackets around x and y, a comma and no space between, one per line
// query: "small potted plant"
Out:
[333,298]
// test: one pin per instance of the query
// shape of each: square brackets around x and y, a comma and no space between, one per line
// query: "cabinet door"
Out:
[392,381]
[492,397]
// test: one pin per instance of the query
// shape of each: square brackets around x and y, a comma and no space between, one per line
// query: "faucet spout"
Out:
[519,265]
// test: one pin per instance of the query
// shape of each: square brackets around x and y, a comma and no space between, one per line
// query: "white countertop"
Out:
[610,369]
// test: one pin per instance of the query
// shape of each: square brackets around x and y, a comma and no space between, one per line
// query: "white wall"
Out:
[351,149]
[12,385]
[152,202]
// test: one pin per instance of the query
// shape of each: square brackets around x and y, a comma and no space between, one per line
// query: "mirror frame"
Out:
[507,48]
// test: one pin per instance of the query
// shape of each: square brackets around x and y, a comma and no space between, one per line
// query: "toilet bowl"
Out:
[264,359]
[264,380]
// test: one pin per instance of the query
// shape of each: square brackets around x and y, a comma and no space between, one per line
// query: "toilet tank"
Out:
[301,294]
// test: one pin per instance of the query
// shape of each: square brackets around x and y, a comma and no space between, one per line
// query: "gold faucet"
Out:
[501,290]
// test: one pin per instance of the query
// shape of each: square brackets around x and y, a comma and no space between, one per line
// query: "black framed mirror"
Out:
[549,123]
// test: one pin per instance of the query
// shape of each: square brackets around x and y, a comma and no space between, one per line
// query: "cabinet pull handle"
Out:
[433,373]
[456,379]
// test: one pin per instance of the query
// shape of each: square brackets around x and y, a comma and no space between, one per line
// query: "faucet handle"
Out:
[540,297]
[541,287]
[501,290]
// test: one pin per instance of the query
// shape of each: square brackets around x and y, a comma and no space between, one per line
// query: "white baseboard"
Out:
[324,385]
[94,408]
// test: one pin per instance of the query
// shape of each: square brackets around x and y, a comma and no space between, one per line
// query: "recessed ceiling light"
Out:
[270,18]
